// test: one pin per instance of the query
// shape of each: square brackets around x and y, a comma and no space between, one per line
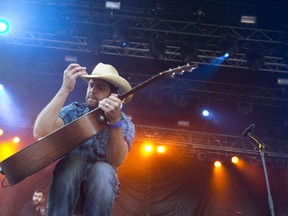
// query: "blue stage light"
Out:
[226,55]
[205,113]
[1,87]
[4,26]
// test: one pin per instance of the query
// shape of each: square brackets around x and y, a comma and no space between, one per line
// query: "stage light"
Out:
[147,148]
[251,20]
[282,81]
[112,5]
[235,159]
[229,46]
[16,139]
[205,113]
[4,26]
[161,149]
[184,124]
[1,87]
[217,164]
[1,132]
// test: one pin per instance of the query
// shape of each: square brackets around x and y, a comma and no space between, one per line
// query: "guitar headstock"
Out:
[180,70]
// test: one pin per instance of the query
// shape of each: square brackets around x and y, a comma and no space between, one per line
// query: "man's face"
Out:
[38,198]
[96,91]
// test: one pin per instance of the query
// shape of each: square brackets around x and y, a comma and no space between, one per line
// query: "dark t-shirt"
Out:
[29,210]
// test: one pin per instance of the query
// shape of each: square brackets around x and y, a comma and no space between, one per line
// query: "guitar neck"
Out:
[142,85]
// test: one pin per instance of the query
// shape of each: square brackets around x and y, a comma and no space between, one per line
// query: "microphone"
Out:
[248,130]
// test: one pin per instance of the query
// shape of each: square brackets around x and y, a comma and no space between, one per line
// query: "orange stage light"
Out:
[217,164]
[147,148]
[161,149]
[235,159]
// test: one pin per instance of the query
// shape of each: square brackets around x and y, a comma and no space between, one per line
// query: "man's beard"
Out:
[91,107]
[36,203]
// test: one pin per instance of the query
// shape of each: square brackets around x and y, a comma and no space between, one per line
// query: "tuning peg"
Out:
[192,68]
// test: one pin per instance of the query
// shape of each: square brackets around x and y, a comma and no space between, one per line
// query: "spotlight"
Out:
[148,148]
[205,113]
[1,87]
[282,81]
[217,164]
[112,5]
[235,159]
[1,132]
[16,139]
[229,46]
[4,26]
[183,124]
[161,149]
[250,20]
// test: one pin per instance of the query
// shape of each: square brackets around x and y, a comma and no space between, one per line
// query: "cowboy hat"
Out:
[109,74]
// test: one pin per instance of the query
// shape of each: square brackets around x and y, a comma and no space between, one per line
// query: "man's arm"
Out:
[48,120]
[117,148]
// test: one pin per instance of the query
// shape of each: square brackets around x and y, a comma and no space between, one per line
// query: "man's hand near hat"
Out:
[72,72]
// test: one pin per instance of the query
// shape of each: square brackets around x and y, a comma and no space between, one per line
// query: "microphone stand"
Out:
[261,149]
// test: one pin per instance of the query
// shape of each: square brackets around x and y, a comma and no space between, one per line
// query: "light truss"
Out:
[273,97]
[194,89]
[144,29]
[192,141]
[135,49]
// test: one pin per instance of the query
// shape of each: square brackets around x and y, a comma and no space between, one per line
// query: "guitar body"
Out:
[50,148]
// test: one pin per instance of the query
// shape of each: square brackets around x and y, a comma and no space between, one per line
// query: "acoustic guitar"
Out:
[56,144]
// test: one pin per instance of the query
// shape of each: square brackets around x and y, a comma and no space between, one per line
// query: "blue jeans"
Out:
[100,184]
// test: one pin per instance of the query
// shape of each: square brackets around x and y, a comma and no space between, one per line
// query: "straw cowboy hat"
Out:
[109,73]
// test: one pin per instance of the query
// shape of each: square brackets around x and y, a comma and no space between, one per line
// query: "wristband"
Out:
[115,125]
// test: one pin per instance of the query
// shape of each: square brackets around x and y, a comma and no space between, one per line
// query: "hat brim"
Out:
[117,81]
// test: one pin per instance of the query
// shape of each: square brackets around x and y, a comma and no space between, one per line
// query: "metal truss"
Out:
[206,37]
[188,143]
[192,142]
[216,91]
[193,89]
